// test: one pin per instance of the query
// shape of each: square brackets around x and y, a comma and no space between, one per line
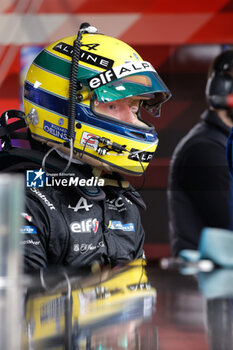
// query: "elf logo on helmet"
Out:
[119,72]
[85,226]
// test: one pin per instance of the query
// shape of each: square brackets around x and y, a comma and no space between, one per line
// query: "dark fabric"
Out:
[76,225]
[230,166]
[73,230]
[230,152]
[199,183]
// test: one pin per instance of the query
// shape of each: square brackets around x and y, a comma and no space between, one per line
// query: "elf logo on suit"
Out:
[85,226]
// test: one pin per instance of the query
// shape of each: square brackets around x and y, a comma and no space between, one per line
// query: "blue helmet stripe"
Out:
[59,105]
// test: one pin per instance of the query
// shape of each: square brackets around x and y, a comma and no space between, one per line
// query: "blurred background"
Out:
[179,38]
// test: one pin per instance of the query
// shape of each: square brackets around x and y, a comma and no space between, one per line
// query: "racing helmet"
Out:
[111,87]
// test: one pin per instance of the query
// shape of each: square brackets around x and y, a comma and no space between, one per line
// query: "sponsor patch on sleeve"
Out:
[27,217]
[28,229]
[117,225]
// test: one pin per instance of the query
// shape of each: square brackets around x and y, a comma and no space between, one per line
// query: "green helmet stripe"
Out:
[60,67]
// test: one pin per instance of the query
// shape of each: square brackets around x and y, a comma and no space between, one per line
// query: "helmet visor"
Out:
[147,83]
[125,110]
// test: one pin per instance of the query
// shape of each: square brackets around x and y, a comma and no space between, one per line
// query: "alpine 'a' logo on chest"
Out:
[81,204]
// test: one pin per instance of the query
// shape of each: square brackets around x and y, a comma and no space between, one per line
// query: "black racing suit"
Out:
[77,226]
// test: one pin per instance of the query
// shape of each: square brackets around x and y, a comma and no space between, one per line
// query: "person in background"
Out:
[199,185]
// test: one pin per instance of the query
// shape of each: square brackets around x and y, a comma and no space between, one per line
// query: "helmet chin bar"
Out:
[95,162]
[108,146]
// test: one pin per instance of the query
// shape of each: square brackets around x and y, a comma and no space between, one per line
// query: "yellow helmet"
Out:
[108,76]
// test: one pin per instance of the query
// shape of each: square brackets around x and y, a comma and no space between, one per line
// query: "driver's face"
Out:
[124,110]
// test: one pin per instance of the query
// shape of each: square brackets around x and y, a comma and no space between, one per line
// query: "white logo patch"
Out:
[82,204]
[43,197]
[85,226]
[116,204]
[89,140]
[27,217]
[30,241]
[84,247]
